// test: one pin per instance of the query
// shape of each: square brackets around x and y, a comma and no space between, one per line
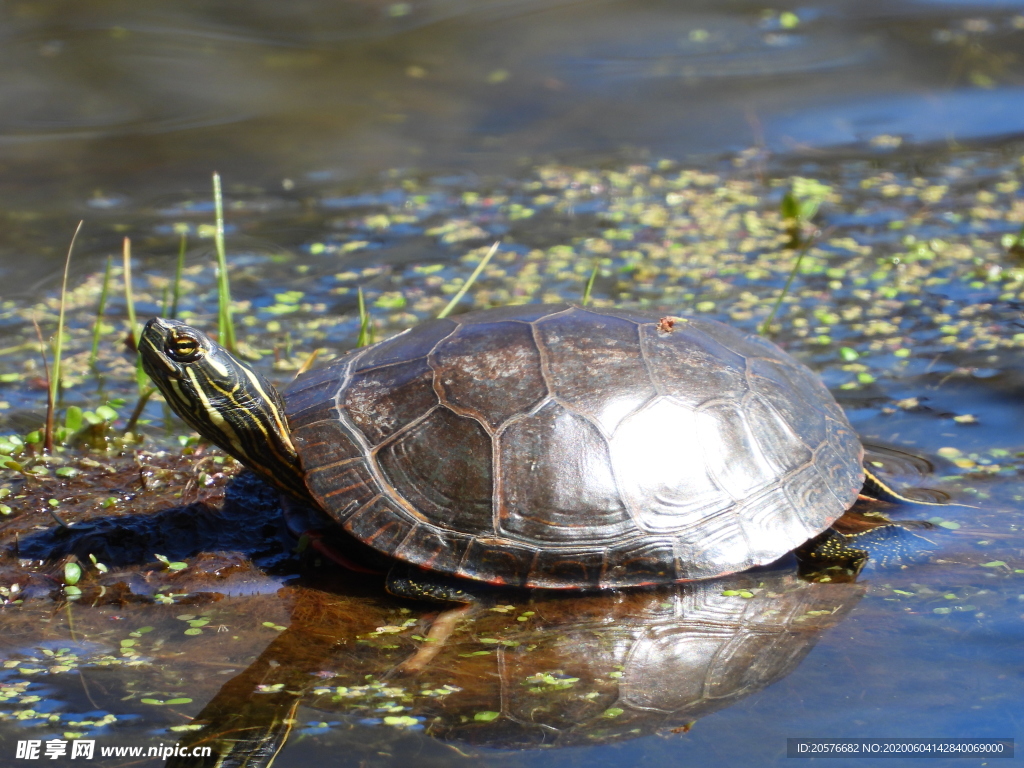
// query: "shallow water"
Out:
[106,108]
[581,135]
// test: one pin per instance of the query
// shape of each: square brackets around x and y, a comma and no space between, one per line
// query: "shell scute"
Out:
[382,401]
[804,415]
[691,366]
[337,471]
[437,550]
[557,481]
[497,562]
[643,561]
[662,471]
[379,524]
[490,371]
[733,449]
[409,345]
[599,368]
[442,467]
[553,568]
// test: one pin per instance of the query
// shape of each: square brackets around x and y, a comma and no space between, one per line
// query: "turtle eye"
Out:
[183,347]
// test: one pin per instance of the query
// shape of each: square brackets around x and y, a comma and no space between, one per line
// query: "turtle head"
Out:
[223,399]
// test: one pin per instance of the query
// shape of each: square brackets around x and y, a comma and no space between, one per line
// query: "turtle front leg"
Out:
[414,583]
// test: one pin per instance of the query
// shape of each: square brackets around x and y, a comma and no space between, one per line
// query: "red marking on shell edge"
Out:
[318,544]
[346,489]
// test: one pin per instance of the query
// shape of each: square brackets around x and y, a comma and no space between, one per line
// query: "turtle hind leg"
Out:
[841,556]
[831,556]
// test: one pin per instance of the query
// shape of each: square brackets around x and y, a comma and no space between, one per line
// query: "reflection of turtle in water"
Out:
[584,669]
[536,446]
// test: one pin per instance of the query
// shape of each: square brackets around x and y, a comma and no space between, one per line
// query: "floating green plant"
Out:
[173,566]
[72,573]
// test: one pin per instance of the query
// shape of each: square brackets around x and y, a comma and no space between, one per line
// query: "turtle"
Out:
[535,446]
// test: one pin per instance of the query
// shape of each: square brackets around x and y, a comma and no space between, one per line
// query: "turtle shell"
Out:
[563,447]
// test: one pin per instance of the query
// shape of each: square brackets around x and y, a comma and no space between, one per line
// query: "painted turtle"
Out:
[546,446]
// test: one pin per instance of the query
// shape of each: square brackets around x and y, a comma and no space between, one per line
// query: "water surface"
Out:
[383,147]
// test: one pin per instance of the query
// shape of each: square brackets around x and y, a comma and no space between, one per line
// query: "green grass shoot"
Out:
[50,404]
[590,286]
[466,286]
[133,326]
[767,324]
[58,341]
[172,313]
[225,325]
[308,362]
[140,406]
[365,327]
[129,297]
[799,205]
[97,327]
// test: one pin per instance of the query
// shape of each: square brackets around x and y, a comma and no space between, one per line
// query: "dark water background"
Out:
[117,112]
[106,107]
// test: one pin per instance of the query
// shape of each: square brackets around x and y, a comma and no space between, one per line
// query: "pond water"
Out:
[377,150]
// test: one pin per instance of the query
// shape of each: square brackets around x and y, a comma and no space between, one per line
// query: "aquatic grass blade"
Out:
[590,286]
[100,309]
[466,286]
[133,325]
[365,328]
[766,325]
[225,325]
[58,342]
[140,406]
[129,297]
[798,206]
[50,404]
[308,362]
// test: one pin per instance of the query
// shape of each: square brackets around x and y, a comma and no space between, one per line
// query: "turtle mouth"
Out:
[151,346]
